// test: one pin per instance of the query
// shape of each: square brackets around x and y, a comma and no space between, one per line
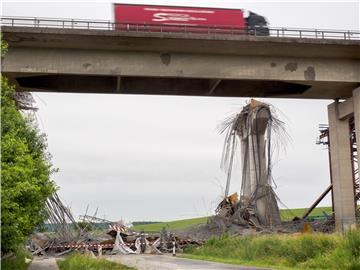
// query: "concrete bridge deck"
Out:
[97,61]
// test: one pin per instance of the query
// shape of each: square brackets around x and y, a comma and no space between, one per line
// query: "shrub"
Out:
[25,172]
[16,262]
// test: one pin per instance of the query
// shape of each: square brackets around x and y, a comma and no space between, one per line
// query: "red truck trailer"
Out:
[185,19]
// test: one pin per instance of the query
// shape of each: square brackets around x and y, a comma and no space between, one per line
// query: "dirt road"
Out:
[43,264]
[166,262]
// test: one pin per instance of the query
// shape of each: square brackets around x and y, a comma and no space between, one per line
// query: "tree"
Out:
[4,47]
[25,171]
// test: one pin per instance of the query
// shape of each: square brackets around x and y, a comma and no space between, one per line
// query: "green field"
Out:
[286,214]
[171,225]
[289,214]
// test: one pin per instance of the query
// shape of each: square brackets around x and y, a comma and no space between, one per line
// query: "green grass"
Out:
[16,262]
[302,251]
[171,225]
[289,214]
[286,215]
[77,261]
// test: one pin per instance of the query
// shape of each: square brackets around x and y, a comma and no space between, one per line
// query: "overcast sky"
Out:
[157,157]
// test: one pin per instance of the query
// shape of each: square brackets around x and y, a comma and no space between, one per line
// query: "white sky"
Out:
[157,157]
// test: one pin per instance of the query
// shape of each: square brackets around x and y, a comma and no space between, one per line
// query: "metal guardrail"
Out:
[145,27]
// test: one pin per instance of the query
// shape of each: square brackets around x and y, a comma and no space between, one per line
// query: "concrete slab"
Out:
[167,262]
[43,264]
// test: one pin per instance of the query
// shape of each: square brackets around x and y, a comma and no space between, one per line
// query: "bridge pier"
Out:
[342,166]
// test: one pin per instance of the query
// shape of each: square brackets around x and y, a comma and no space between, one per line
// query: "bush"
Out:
[25,172]
[16,262]
[4,47]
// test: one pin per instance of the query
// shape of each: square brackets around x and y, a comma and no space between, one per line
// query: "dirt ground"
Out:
[43,263]
[167,262]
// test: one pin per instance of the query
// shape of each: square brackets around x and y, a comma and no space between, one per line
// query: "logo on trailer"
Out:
[175,17]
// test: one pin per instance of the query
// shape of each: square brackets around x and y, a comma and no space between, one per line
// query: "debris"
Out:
[225,207]
[318,200]
[307,228]
[120,246]
[60,217]
[67,234]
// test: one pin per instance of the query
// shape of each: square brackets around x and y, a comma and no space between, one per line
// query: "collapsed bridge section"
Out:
[253,128]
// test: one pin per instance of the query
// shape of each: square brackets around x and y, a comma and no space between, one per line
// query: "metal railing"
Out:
[158,28]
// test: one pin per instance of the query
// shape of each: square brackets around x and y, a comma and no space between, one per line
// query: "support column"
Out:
[342,173]
[356,102]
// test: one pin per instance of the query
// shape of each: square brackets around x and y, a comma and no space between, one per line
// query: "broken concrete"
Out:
[253,129]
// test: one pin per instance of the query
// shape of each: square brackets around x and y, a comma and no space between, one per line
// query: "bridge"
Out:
[90,57]
[77,56]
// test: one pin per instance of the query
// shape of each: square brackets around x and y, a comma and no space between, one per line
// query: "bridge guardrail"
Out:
[144,27]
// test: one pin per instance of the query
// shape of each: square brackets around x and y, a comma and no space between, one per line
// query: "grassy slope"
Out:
[78,262]
[286,214]
[301,251]
[172,225]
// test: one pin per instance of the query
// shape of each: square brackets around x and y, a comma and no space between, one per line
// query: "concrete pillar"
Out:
[256,184]
[245,163]
[266,204]
[342,172]
[356,102]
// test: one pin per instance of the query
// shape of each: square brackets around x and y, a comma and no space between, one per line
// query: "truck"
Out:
[155,18]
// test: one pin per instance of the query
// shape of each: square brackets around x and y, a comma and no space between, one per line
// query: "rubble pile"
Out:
[118,239]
